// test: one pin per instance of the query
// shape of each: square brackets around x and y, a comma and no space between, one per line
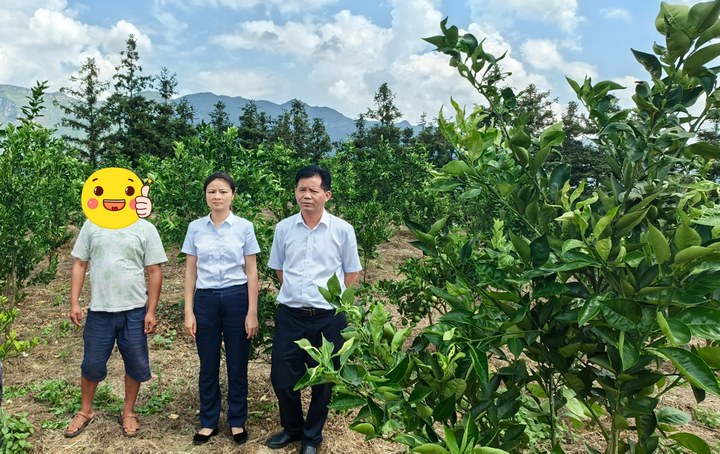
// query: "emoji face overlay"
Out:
[108,197]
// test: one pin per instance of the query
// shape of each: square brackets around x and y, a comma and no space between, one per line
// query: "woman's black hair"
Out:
[220,176]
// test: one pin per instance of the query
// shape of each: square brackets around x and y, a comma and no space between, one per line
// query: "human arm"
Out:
[251,320]
[279,275]
[154,273]
[190,278]
[77,279]
[351,278]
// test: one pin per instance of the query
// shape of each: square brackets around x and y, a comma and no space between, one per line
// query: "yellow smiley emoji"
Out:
[108,197]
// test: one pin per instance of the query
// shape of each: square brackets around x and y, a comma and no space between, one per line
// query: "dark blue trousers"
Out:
[289,363]
[220,318]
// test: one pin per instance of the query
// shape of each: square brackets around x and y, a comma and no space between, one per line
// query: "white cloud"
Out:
[616,13]
[504,13]
[44,40]
[283,6]
[544,55]
[252,84]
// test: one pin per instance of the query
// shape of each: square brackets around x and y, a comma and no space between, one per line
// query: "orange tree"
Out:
[592,302]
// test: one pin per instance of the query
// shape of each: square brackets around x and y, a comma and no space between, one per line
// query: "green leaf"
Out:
[456,168]
[430,448]
[552,136]
[692,367]
[691,442]
[705,149]
[693,253]
[659,243]
[333,285]
[673,416]
[342,402]
[604,222]
[650,62]
[487,450]
[704,323]
[711,355]
[540,251]
[701,57]
[364,428]
[703,15]
[522,246]
[686,236]
[603,247]
[622,314]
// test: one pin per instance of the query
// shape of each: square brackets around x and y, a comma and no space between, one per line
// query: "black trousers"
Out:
[220,317]
[289,363]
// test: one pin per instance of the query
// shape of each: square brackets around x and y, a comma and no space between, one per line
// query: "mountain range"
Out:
[337,125]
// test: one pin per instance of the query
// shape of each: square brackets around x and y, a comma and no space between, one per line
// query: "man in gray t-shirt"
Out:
[121,309]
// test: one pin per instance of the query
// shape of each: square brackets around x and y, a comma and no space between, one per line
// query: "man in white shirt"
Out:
[308,248]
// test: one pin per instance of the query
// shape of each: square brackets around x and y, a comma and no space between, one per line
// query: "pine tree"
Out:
[86,114]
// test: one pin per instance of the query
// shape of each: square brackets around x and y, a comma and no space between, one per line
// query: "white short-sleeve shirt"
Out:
[220,252]
[309,257]
[118,258]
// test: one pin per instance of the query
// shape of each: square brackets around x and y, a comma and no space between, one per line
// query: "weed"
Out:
[15,391]
[14,431]
[707,417]
[165,341]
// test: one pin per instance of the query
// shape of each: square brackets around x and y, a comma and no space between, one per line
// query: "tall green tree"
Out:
[86,114]
[319,143]
[387,114]
[253,127]
[219,118]
[132,113]
[587,162]
[534,108]
[439,150]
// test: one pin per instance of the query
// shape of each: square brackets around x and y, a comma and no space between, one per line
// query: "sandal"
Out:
[128,421]
[78,424]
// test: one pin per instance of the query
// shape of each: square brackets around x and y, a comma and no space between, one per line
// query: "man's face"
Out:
[310,195]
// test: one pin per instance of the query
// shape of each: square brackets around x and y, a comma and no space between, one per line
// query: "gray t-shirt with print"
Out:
[118,258]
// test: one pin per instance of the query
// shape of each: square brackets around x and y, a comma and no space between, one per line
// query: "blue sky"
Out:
[333,53]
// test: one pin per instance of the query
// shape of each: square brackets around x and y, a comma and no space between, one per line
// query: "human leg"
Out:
[287,368]
[130,423]
[330,328]
[132,343]
[237,349]
[208,338]
[98,341]
[85,416]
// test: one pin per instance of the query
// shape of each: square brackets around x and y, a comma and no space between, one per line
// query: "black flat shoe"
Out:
[280,440]
[240,437]
[199,439]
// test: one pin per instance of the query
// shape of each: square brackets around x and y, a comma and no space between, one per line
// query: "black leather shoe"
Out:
[280,440]
[240,437]
[199,439]
[308,450]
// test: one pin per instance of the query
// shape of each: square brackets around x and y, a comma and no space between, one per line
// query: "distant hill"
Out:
[338,126]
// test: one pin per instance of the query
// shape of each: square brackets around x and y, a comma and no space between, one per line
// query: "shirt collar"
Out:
[230,220]
[325,219]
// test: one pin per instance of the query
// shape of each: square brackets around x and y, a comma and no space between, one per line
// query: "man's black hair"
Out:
[313,171]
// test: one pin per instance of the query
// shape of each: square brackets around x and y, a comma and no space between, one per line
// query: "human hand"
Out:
[143,204]
[190,325]
[76,314]
[251,325]
[150,323]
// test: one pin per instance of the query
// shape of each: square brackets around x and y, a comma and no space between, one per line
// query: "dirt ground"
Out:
[175,367]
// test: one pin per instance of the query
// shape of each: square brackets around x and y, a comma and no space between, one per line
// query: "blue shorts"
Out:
[101,331]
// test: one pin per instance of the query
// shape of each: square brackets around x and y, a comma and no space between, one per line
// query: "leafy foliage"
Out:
[583,298]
